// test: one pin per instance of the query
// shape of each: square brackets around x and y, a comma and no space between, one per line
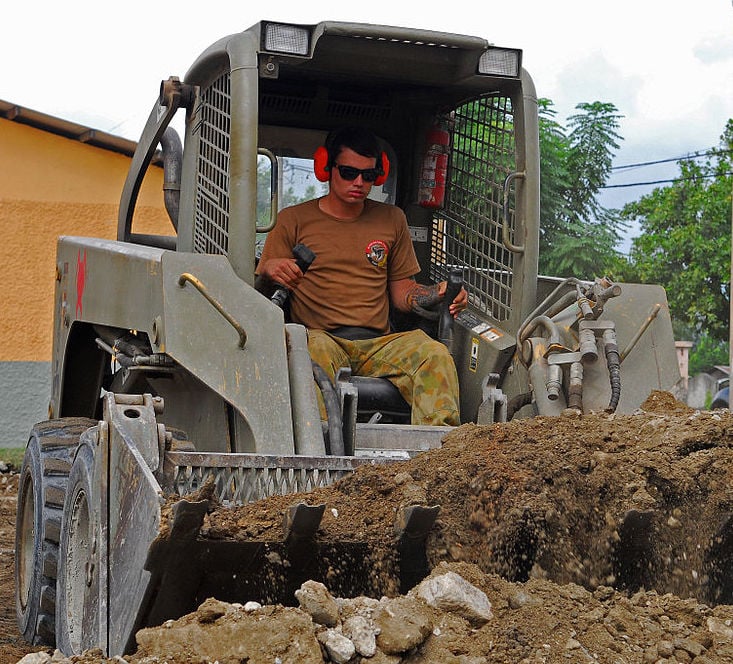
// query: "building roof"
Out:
[76,132]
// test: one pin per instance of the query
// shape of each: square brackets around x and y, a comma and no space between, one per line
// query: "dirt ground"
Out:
[602,538]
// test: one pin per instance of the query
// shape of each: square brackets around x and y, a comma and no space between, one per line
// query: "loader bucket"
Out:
[187,568]
[188,563]
[156,558]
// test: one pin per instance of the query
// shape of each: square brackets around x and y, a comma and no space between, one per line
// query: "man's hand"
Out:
[460,302]
[282,271]
[407,295]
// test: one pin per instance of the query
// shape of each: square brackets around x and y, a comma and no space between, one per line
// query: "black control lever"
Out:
[303,259]
[445,322]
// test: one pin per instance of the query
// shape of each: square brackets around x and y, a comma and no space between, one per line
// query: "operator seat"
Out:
[380,399]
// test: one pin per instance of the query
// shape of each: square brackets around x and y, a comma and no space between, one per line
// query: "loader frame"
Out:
[197,382]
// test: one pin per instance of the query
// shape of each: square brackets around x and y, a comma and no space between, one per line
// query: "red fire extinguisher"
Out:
[433,173]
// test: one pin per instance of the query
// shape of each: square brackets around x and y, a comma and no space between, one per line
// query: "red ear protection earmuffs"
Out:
[320,164]
[322,168]
[381,179]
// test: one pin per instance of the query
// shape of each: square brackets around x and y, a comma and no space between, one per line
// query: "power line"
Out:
[670,181]
[695,155]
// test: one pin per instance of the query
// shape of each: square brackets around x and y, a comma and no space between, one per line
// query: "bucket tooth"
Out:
[173,565]
[188,518]
[301,522]
[412,527]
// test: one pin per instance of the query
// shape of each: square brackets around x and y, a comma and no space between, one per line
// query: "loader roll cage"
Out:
[397,82]
[274,92]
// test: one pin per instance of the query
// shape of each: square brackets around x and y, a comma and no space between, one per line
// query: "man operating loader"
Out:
[364,261]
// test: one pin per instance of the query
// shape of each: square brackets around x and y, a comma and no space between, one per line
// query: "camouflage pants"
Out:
[420,367]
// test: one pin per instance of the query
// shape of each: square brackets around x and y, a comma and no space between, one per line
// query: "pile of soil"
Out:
[602,538]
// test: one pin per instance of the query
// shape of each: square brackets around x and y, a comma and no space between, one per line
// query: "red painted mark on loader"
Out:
[81,277]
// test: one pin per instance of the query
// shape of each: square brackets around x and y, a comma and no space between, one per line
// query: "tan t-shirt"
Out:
[347,282]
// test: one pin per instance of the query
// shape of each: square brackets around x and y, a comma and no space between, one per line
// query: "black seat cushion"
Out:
[378,395]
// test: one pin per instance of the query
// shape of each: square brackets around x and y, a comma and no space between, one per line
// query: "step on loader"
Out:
[175,382]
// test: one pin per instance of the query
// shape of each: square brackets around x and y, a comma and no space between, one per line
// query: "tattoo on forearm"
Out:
[422,297]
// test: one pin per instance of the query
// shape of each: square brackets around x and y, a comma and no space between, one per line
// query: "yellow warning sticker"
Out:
[473,362]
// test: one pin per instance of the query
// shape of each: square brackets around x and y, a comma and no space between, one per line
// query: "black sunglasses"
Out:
[350,173]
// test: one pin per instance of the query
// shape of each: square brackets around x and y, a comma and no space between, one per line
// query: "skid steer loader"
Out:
[171,370]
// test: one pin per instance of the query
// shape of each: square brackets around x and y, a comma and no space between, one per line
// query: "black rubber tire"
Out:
[78,570]
[41,493]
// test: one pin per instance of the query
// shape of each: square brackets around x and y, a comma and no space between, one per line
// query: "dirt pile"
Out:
[596,539]
[641,501]
[530,623]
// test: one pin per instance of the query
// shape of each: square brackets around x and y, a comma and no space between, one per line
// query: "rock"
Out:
[689,646]
[315,599]
[363,634]
[251,606]
[340,649]
[211,610]
[402,478]
[248,637]
[520,598]
[603,593]
[665,649]
[451,592]
[403,623]
[357,606]
[720,629]
[36,658]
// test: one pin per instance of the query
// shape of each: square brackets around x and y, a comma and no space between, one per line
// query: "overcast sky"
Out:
[667,66]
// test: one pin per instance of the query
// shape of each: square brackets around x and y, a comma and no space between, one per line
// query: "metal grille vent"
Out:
[356,112]
[211,234]
[285,104]
[467,232]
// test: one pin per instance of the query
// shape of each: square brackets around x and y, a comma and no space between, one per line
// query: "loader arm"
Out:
[198,322]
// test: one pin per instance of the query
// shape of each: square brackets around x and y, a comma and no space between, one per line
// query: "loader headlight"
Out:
[286,39]
[501,62]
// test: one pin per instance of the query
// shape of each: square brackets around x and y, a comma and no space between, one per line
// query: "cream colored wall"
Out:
[51,186]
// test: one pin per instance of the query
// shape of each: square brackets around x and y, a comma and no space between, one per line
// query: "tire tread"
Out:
[57,441]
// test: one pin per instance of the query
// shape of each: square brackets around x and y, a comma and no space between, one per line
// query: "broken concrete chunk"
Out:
[340,649]
[451,592]
[36,658]
[721,629]
[363,634]
[315,599]
[403,623]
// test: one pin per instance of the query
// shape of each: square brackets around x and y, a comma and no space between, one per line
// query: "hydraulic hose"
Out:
[335,443]
[543,307]
[517,403]
[545,322]
[172,168]
[613,361]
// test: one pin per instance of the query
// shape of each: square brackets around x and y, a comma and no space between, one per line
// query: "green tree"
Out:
[578,235]
[707,353]
[685,242]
